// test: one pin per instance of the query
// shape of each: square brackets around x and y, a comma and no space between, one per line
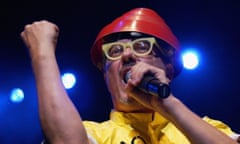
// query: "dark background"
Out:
[210,26]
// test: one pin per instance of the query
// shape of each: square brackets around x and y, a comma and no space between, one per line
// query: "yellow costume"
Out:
[141,128]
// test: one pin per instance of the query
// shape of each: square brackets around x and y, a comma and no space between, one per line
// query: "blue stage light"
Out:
[17,95]
[68,80]
[190,59]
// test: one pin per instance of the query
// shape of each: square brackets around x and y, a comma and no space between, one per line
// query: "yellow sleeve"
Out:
[220,125]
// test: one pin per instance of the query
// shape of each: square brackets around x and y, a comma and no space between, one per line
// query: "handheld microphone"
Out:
[149,84]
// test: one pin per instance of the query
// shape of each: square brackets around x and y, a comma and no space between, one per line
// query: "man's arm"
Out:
[60,120]
[191,125]
[195,129]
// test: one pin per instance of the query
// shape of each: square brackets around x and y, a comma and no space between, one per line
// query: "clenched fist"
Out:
[41,38]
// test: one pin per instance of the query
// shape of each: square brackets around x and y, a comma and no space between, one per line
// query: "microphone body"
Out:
[149,84]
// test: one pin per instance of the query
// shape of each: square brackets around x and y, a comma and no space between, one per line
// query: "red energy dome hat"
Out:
[143,20]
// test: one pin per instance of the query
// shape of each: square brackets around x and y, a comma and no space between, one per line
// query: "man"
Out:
[134,46]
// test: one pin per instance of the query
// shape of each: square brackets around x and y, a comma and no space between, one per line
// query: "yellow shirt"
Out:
[141,128]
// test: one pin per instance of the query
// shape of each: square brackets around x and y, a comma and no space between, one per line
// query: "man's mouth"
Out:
[124,73]
[125,70]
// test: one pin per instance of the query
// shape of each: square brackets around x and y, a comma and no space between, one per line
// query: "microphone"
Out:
[150,85]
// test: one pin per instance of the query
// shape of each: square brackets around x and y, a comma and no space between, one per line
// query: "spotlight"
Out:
[68,80]
[190,59]
[17,95]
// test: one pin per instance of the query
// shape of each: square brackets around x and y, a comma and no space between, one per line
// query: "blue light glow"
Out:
[17,95]
[190,60]
[68,80]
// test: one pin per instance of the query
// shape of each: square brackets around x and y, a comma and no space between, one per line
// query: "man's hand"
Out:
[41,38]
[137,73]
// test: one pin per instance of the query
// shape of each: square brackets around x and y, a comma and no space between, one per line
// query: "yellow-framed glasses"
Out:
[140,47]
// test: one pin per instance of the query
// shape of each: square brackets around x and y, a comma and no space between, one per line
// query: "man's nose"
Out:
[128,54]
[127,51]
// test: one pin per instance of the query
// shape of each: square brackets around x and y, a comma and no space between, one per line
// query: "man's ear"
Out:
[170,71]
